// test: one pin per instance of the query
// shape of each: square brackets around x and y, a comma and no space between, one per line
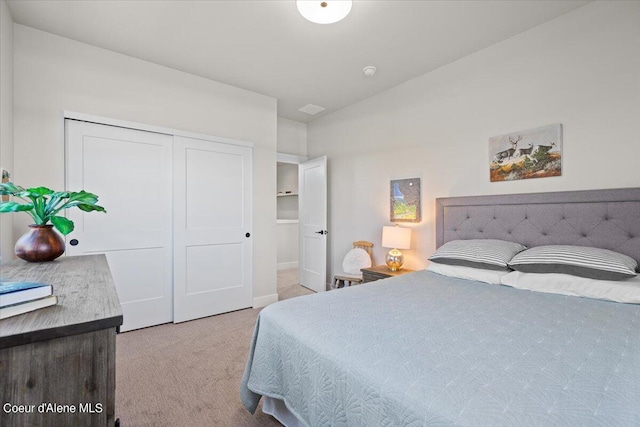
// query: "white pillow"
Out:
[468,273]
[627,290]
[356,259]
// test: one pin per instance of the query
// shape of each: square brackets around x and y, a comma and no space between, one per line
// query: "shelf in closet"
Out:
[287,194]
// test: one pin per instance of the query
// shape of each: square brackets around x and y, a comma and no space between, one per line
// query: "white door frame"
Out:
[290,158]
[149,128]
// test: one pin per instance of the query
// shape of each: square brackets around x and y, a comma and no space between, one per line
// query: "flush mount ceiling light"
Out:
[324,12]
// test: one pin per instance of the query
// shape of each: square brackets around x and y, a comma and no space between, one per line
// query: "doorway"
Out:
[302,219]
[287,225]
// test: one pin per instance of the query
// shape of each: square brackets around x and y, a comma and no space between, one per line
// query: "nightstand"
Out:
[372,274]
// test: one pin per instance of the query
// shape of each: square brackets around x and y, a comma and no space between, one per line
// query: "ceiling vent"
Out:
[311,109]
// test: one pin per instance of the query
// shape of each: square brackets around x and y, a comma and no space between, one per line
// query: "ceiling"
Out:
[268,47]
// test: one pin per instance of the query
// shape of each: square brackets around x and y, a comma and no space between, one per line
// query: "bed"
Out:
[429,350]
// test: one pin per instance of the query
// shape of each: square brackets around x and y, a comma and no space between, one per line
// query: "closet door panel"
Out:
[130,171]
[216,196]
[212,228]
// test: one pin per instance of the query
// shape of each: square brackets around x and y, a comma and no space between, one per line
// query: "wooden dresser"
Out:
[58,363]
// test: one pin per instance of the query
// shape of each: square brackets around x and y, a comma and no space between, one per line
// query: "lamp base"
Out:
[394,260]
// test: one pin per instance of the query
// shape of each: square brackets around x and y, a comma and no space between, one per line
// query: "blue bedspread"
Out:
[426,350]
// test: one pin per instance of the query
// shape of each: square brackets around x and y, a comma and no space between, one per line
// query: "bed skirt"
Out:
[278,410]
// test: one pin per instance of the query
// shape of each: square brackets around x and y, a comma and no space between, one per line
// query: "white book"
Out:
[25,307]
[16,292]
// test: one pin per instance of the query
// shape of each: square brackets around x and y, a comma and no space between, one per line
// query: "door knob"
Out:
[247,235]
[321,232]
[73,242]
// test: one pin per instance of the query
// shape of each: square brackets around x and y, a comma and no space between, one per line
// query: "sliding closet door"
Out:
[212,228]
[130,171]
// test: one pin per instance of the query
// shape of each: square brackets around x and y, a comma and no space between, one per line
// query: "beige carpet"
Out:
[189,374]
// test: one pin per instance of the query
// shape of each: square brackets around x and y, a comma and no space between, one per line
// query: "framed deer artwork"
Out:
[532,153]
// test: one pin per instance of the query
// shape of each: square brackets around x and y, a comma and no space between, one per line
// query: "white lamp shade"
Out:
[396,237]
[324,12]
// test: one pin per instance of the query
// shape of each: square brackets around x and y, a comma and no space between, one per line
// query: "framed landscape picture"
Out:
[532,153]
[405,200]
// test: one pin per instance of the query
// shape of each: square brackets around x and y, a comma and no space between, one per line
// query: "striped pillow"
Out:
[477,253]
[582,261]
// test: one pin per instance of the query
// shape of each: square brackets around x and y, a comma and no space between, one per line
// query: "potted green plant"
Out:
[41,242]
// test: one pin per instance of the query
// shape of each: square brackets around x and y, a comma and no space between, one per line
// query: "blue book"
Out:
[18,292]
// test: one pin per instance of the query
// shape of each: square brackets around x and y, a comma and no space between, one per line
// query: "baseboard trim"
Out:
[287,265]
[265,300]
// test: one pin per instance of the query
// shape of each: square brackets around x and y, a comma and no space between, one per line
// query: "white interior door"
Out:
[213,262]
[312,188]
[130,171]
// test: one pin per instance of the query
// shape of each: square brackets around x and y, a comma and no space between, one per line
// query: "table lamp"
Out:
[395,238]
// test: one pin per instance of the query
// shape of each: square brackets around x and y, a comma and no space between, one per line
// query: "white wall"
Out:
[287,244]
[6,119]
[53,74]
[287,206]
[287,177]
[287,214]
[581,69]
[292,137]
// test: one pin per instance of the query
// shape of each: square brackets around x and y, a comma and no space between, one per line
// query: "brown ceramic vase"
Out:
[40,244]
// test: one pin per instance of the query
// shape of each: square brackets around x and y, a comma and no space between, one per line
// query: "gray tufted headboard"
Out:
[608,219]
